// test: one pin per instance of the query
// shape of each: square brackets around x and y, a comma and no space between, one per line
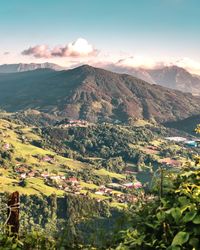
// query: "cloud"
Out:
[189,64]
[79,48]
[137,62]
[38,51]
[128,64]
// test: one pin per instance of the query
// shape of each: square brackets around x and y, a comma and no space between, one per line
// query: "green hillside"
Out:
[93,94]
[95,155]
[73,175]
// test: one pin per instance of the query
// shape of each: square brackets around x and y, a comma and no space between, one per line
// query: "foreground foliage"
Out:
[171,222]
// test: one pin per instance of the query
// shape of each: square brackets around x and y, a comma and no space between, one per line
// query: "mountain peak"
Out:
[85,67]
[93,94]
[176,78]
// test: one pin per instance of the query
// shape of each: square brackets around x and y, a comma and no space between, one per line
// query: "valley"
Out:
[90,151]
[98,160]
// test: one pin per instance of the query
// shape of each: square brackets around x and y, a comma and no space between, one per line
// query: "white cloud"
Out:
[137,62]
[141,62]
[79,48]
[38,51]
[189,64]
[85,53]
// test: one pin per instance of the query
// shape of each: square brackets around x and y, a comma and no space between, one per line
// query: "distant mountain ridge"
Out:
[21,67]
[94,94]
[176,78]
[171,77]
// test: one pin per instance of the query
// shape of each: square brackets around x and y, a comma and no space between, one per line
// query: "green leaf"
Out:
[150,225]
[160,216]
[185,207]
[189,216]
[194,242]
[174,248]
[183,200]
[196,220]
[14,246]
[180,238]
[176,214]
[196,230]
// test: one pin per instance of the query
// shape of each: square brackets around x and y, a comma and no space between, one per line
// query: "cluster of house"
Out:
[127,185]
[61,182]
[120,197]
[74,123]
[25,172]
[72,184]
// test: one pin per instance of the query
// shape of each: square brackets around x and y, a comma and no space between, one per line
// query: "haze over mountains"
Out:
[94,94]
[21,67]
[171,77]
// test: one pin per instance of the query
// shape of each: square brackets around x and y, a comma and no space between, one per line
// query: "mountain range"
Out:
[171,77]
[94,94]
[21,67]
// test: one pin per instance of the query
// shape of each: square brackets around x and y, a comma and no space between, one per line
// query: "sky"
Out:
[128,33]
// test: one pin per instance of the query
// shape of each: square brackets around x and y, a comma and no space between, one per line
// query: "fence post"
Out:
[13,212]
[161,182]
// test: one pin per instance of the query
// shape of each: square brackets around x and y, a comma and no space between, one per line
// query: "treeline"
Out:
[169,220]
[68,222]
[100,141]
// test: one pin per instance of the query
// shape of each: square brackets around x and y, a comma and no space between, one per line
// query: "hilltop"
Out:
[94,94]
[176,78]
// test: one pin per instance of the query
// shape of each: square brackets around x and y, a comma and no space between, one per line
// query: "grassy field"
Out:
[11,134]
[111,174]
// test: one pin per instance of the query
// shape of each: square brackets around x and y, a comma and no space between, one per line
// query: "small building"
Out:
[47,159]
[191,144]
[7,146]
[31,174]
[99,192]
[55,177]
[137,185]
[114,185]
[20,169]
[176,139]
[72,180]
[23,176]
[128,185]
[45,175]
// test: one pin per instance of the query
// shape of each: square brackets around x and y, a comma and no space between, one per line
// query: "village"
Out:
[119,192]
[67,123]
